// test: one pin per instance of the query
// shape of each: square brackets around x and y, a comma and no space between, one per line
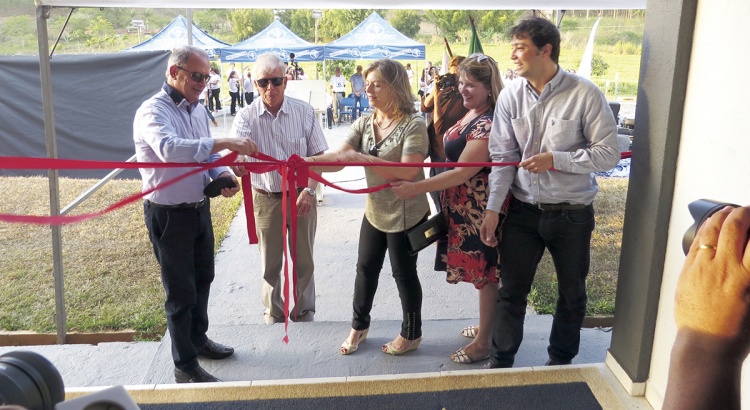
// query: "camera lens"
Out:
[28,379]
[700,210]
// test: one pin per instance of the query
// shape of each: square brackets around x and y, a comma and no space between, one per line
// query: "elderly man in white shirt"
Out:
[281,126]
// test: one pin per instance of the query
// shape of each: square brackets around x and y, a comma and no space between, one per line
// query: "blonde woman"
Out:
[392,134]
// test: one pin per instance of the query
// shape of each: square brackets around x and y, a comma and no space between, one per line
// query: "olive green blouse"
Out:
[383,209]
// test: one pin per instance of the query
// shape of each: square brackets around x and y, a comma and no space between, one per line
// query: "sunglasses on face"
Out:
[196,76]
[276,81]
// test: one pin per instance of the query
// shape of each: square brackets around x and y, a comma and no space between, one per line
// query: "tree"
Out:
[347,67]
[100,32]
[407,22]
[300,21]
[599,67]
[17,26]
[449,22]
[212,20]
[249,22]
[497,21]
[336,23]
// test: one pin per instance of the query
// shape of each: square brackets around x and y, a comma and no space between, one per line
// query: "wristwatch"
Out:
[310,191]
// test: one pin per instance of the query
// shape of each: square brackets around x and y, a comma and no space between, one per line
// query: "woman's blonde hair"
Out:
[393,74]
[483,68]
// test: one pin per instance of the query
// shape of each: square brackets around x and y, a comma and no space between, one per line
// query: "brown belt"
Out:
[268,194]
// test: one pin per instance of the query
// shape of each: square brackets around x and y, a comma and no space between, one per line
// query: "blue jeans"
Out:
[526,232]
[357,108]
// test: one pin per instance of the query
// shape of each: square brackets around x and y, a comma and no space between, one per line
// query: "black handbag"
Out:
[423,235]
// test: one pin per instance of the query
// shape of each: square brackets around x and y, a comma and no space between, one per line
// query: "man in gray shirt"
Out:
[561,129]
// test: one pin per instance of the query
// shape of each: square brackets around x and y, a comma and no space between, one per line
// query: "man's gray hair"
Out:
[180,55]
[267,62]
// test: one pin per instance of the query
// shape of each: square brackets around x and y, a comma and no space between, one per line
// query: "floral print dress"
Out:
[462,254]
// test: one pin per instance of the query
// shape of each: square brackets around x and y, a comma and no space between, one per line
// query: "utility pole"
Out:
[317,15]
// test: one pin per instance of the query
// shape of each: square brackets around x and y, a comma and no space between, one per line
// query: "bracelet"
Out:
[313,159]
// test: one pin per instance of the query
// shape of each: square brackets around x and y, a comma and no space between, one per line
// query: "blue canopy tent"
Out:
[276,38]
[175,34]
[372,39]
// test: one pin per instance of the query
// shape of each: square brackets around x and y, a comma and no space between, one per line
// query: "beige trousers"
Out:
[268,225]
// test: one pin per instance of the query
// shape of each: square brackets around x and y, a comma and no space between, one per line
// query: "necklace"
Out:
[387,126]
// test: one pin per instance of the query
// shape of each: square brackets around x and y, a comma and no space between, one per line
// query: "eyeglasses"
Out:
[481,57]
[196,76]
[276,81]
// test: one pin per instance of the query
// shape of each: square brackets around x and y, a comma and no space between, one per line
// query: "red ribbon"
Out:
[294,174]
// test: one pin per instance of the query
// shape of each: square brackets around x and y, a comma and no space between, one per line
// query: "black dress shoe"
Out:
[555,362]
[193,374]
[213,350]
[494,365]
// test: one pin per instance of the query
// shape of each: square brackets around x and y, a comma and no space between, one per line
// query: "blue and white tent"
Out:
[175,35]
[372,39]
[276,38]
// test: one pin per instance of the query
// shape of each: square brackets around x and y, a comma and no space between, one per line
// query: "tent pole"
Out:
[189,13]
[42,14]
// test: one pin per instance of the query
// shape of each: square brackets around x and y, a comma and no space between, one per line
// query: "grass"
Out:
[112,279]
[605,255]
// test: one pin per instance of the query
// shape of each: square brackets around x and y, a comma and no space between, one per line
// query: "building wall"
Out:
[714,154]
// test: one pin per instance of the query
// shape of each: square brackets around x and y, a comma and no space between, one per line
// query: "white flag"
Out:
[584,70]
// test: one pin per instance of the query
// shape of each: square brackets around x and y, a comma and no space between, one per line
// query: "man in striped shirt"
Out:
[281,126]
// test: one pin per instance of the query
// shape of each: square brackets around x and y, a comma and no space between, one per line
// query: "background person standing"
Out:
[214,89]
[338,87]
[358,91]
[247,85]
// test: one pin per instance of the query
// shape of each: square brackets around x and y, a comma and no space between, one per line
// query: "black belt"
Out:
[340,92]
[268,194]
[184,205]
[563,206]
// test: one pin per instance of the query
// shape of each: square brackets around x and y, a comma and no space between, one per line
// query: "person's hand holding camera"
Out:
[712,311]
[713,289]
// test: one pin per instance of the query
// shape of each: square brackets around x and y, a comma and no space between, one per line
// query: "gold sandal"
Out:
[347,348]
[390,349]
[460,356]
[470,331]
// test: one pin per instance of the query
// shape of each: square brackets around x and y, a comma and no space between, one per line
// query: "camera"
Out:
[446,80]
[701,210]
[28,379]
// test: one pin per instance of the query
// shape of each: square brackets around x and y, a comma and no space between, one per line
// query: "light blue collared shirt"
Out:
[167,128]
[571,119]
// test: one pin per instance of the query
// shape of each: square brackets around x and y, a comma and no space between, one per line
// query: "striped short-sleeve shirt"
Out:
[294,130]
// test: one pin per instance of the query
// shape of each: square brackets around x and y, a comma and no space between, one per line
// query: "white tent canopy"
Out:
[175,34]
[346,4]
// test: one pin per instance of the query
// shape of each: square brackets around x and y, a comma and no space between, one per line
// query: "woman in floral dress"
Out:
[464,198]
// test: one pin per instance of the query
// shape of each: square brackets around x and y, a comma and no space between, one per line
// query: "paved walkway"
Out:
[236,315]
